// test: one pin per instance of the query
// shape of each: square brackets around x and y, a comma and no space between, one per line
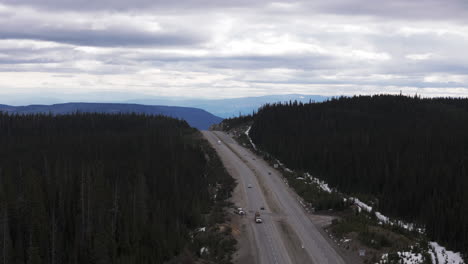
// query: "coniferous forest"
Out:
[96,188]
[409,153]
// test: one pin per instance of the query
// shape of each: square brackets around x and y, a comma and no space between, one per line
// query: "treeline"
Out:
[409,153]
[97,188]
[234,122]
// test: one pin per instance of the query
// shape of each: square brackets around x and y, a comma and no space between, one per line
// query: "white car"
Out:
[258,219]
[249,186]
[240,211]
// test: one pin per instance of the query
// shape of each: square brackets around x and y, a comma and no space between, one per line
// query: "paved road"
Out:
[287,235]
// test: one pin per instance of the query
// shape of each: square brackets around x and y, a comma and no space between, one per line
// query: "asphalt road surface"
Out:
[286,235]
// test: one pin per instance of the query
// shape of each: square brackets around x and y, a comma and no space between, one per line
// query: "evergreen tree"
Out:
[97,188]
[408,152]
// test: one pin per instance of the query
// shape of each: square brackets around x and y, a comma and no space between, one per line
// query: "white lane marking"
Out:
[274,253]
[298,212]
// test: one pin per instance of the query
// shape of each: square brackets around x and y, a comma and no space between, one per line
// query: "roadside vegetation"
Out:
[235,123]
[353,228]
[99,188]
[402,156]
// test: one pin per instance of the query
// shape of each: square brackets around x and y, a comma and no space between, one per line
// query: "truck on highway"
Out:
[258,219]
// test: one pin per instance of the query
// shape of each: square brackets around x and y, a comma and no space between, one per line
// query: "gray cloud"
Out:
[402,9]
[110,37]
[101,29]
[246,62]
[236,48]
[125,5]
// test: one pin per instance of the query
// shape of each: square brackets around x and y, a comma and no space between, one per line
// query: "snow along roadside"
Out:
[248,136]
[439,254]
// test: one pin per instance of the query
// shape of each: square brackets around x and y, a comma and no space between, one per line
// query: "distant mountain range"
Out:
[229,107]
[195,117]
[224,108]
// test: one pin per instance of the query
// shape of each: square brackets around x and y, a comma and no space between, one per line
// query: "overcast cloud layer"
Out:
[213,50]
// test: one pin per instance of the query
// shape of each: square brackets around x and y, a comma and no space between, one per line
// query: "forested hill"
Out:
[99,188]
[197,118]
[410,153]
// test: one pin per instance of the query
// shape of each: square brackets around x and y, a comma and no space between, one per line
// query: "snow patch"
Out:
[409,257]
[444,256]
[204,250]
[248,136]
[437,252]
[382,218]
[324,186]
[201,229]
[386,220]
[361,205]
[408,226]
[405,258]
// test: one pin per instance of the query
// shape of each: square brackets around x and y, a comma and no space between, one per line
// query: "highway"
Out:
[286,235]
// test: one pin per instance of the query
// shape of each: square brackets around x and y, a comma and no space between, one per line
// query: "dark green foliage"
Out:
[374,239]
[409,153]
[356,223]
[218,242]
[96,188]
[230,123]
[312,193]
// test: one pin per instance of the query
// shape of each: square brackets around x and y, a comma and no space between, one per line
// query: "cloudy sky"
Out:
[211,49]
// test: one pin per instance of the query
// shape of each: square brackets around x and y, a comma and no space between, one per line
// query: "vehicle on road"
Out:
[258,219]
[219,142]
[269,241]
[240,211]
[262,207]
